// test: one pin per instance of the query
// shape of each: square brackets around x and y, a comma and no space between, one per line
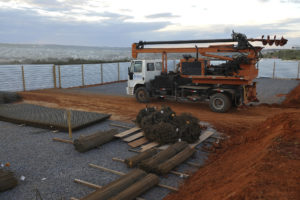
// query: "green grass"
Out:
[285,54]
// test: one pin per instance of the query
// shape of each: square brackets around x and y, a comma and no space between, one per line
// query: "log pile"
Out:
[127,187]
[7,180]
[138,188]
[176,160]
[152,163]
[86,143]
[161,162]
[137,159]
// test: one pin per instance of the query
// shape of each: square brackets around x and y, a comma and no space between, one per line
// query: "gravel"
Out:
[50,167]
[269,90]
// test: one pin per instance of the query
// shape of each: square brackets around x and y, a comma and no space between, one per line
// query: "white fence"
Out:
[33,77]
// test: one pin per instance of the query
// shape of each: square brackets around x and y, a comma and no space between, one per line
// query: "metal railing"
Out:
[33,77]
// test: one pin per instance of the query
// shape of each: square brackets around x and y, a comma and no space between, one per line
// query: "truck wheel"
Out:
[142,95]
[220,102]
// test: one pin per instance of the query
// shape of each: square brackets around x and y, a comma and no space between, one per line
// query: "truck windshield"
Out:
[136,66]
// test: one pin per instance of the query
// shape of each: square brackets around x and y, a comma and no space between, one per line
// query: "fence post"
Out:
[274,70]
[118,71]
[69,123]
[298,75]
[59,76]
[82,74]
[54,76]
[23,78]
[174,62]
[101,71]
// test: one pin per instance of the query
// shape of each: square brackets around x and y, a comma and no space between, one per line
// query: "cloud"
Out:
[24,27]
[69,22]
[162,15]
[289,1]
[110,15]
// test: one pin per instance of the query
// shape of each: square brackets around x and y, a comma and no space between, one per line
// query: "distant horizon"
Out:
[129,47]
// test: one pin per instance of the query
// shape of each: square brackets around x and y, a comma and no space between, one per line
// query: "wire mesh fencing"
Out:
[33,77]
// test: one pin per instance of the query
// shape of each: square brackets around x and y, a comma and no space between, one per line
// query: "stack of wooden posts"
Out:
[85,143]
[7,180]
[161,162]
[127,187]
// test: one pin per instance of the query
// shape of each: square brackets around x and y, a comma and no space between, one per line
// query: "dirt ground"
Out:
[260,160]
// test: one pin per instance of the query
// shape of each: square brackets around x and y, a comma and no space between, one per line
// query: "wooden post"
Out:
[166,63]
[82,74]
[91,185]
[274,70]
[23,78]
[54,76]
[298,75]
[101,71]
[59,76]
[62,140]
[118,71]
[174,62]
[69,123]
[121,174]
[163,61]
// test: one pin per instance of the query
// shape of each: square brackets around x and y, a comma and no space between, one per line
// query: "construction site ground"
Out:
[260,159]
[50,167]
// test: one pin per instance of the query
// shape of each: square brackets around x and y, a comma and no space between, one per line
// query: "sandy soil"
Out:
[260,160]
[126,108]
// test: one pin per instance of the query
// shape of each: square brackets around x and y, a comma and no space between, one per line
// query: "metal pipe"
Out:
[185,41]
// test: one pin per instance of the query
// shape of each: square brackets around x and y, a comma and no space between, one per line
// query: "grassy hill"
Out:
[285,54]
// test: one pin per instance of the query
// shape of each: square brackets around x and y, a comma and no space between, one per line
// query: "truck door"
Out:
[135,74]
[152,69]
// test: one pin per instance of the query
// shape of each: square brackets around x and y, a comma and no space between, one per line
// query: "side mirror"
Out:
[130,74]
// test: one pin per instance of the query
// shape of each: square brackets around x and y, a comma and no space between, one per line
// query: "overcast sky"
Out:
[118,23]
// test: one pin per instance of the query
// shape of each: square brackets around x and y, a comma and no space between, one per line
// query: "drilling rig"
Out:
[196,78]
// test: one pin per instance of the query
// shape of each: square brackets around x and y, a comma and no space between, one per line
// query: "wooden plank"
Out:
[168,187]
[107,170]
[194,164]
[91,185]
[149,146]
[125,133]
[203,137]
[62,140]
[182,175]
[134,150]
[120,125]
[138,142]
[121,174]
[134,137]
[94,186]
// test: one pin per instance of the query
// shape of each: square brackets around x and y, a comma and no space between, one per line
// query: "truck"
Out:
[197,78]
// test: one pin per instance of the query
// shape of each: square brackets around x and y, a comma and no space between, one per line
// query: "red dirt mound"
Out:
[261,163]
[293,98]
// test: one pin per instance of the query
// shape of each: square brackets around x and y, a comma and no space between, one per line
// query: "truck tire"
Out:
[220,102]
[142,95]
